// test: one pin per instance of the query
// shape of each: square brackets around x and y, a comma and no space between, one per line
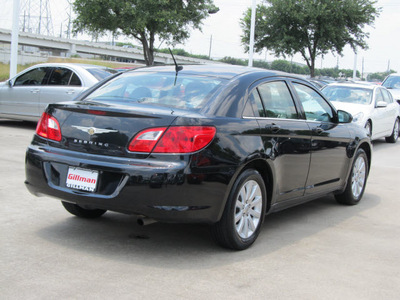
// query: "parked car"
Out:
[372,107]
[392,83]
[219,144]
[25,96]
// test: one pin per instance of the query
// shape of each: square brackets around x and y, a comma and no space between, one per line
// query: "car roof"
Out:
[73,65]
[353,85]
[216,70]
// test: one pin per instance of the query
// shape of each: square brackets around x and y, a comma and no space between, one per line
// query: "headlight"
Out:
[358,117]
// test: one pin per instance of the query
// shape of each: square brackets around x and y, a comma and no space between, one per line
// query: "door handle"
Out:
[318,130]
[273,127]
[70,92]
[35,91]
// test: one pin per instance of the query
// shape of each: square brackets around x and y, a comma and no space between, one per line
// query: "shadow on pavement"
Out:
[187,246]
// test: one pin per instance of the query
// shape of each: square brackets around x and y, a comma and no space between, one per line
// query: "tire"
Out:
[395,133]
[83,212]
[357,180]
[244,212]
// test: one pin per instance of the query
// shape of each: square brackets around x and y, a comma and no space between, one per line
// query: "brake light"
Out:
[175,139]
[48,127]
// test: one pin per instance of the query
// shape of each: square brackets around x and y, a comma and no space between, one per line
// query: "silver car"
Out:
[25,96]
[372,107]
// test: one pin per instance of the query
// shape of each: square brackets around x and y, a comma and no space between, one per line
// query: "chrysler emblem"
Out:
[93,130]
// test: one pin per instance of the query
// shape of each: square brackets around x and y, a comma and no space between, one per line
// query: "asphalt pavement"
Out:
[319,250]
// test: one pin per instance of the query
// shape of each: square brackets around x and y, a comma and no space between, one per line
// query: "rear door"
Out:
[286,138]
[63,85]
[329,142]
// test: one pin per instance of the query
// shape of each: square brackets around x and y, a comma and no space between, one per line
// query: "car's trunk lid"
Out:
[106,129]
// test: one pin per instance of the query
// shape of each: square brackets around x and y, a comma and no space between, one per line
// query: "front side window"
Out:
[315,107]
[32,77]
[277,100]
[378,96]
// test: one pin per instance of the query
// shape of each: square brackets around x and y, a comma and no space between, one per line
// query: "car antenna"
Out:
[177,68]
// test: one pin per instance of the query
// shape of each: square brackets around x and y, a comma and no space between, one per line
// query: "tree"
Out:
[168,20]
[310,27]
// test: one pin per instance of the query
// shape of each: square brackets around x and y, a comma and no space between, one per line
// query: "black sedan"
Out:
[223,145]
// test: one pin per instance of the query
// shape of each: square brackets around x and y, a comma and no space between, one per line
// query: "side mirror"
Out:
[381,104]
[9,82]
[344,116]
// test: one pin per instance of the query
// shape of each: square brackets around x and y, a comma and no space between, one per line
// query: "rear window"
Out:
[165,89]
[101,73]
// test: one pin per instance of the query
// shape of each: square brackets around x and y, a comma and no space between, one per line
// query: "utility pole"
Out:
[362,69]
[209,52]
[355,65]
[39,16]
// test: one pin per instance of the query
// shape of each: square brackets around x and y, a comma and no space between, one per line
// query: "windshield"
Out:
[166,89]
[348,94]
[101,73]
[392,82]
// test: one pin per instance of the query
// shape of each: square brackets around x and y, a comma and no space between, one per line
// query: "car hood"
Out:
[352,108]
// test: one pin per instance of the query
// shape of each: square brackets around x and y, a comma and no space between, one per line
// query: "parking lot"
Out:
[319,250]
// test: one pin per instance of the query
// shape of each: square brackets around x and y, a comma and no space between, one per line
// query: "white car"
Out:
[392,83]
[25,96]
[372,107]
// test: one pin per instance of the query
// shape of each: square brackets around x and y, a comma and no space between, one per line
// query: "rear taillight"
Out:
[175,139]
[48,127]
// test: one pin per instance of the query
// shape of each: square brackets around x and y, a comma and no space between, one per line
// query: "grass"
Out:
[5,68]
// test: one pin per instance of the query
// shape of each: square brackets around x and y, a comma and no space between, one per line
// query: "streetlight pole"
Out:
[252,30]
[14,40]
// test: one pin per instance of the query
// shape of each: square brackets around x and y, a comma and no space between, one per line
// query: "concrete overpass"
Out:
[72,47]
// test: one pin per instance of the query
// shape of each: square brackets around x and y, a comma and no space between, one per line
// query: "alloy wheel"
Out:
[248,209]
[359,176]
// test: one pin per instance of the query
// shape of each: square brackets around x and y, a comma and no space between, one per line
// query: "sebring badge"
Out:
[93,130]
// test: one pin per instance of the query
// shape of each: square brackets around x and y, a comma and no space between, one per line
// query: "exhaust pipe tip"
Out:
[145,221]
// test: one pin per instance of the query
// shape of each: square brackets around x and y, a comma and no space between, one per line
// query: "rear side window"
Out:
[166,89]
[277,100]
[387,97]
[60,76]
[75,81]
[315,107]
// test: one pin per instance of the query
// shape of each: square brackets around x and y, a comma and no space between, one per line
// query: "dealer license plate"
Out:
[82,179]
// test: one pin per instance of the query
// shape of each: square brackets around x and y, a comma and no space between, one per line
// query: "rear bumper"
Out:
[166,191]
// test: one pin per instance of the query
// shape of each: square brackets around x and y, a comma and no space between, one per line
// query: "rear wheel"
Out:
[395,134]
[83,212]
[244,212]
[356,181]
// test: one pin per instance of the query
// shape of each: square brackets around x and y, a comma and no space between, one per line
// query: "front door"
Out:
[329,142]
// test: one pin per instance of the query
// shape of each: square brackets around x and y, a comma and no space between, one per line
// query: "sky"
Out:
[224,30]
